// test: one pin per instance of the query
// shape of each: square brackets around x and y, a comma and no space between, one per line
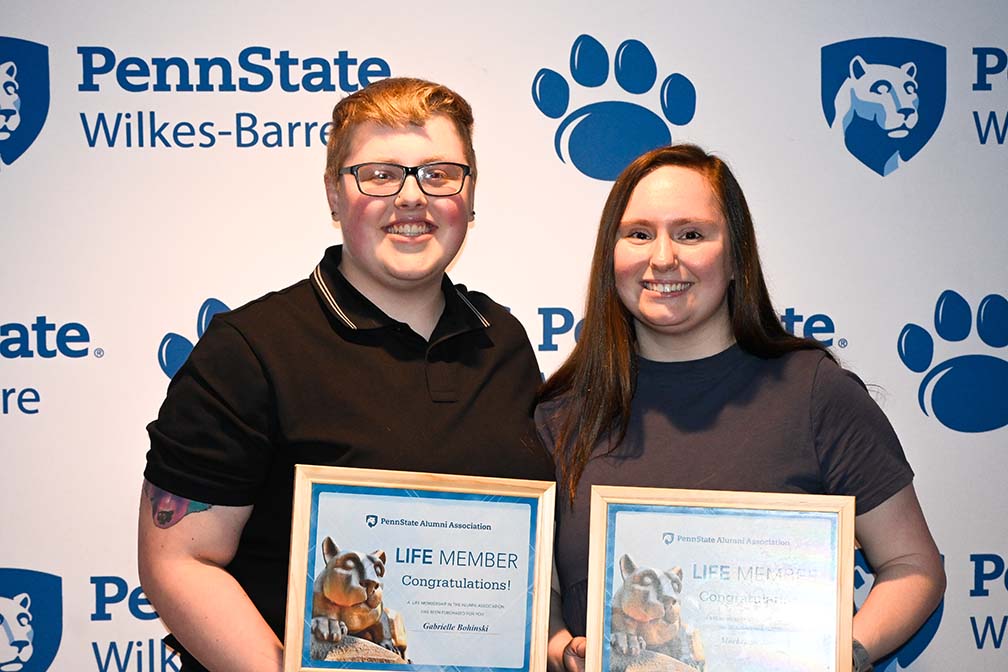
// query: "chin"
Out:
[412,274]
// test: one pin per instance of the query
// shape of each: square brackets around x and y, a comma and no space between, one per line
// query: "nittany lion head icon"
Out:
[31,619]
[16,632]
[10,101]
[24,95]
[885,96]
[881,94]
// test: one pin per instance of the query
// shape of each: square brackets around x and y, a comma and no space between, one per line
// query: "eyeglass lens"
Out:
[435,179]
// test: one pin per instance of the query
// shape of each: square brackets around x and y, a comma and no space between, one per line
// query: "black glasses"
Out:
[442,178]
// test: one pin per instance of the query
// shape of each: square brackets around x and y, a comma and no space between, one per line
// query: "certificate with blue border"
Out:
[410,571]
[691,580]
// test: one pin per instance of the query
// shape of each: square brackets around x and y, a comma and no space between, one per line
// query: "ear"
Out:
[329,549]
[627,566]
[332,195]
[858,67]
[675,577]
[910,69]
[380,555]
[9,69]
[472,198]
[22,600]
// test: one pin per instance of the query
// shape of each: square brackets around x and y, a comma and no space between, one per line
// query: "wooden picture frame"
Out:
[680,580]
[393,570]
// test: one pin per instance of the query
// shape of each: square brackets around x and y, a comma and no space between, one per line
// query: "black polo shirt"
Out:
[317,374]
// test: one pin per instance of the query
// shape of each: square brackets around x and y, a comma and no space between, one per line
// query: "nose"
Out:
[663,253]
[410,196]
[904,103]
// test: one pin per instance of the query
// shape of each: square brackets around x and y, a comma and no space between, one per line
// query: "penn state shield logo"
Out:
[31,619]
[885,96]
[24,95]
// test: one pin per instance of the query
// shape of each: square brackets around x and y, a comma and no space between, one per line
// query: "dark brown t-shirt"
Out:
[798,423]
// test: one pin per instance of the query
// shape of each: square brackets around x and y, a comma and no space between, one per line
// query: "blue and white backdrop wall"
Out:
[135,189]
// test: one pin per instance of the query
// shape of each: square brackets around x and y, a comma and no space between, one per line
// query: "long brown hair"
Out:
[595,385]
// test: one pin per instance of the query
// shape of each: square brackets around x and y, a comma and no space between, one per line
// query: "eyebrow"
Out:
[682,221]
[430,159]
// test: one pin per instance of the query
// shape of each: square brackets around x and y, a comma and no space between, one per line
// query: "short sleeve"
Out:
[211,439]
[858,449]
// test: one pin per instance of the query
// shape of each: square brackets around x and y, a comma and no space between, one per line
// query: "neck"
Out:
[683,347]
[421,314]
[682,352]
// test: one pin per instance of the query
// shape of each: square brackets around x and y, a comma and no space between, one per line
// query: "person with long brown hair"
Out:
[684,377]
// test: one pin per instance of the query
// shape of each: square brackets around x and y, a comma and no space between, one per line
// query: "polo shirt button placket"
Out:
[441,383]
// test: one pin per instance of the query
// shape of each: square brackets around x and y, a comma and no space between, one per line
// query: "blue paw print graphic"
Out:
[968,393]
[175,348]
[601,138]
[901,658]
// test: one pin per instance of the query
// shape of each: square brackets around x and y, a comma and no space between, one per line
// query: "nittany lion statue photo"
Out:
[876,108]
[647,628]
[15,632]
[347,610]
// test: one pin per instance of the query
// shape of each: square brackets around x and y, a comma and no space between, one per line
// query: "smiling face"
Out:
[672,265]
[395,246]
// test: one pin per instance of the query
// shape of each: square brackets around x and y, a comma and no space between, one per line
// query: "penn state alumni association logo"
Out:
[31,619]
[885,96]
[24,95]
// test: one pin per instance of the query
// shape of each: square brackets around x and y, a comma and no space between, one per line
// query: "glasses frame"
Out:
[407,171]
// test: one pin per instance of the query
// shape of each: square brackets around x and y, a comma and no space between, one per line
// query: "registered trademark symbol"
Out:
[842,342]
[99,352]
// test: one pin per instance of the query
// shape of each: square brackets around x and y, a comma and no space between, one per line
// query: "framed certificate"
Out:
[409,571]
[686,580]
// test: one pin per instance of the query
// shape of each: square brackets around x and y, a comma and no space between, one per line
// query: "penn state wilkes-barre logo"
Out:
[31,619]
[24,95]
[885,96]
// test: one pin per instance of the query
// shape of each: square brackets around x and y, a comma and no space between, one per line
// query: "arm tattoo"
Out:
[168,509]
